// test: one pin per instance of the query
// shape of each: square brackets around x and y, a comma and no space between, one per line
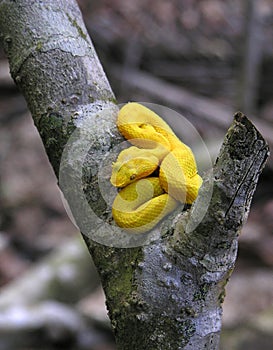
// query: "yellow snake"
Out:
[143,201]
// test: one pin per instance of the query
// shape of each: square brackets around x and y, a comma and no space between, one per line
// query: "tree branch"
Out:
[164,291]
[54,63]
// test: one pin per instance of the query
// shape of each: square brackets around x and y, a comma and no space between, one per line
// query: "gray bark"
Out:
[163,292]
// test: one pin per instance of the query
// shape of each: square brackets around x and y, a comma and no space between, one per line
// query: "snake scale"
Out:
[145,198]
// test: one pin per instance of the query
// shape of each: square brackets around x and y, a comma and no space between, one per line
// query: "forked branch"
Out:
[162,295]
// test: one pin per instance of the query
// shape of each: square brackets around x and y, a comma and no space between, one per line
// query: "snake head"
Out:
[123,174]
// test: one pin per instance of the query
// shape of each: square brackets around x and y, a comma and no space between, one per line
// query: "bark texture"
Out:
[53,62]
[166,294]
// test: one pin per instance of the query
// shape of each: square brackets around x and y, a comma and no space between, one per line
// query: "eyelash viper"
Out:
[143,201]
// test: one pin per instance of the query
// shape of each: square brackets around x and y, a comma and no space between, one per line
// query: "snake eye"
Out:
[132,177]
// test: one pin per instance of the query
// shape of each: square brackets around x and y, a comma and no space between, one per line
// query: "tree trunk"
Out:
[163,291]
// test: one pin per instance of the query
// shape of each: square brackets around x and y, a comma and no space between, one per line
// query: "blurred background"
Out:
[205,59]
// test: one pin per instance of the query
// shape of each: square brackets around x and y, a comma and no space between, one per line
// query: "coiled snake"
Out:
[144,200]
